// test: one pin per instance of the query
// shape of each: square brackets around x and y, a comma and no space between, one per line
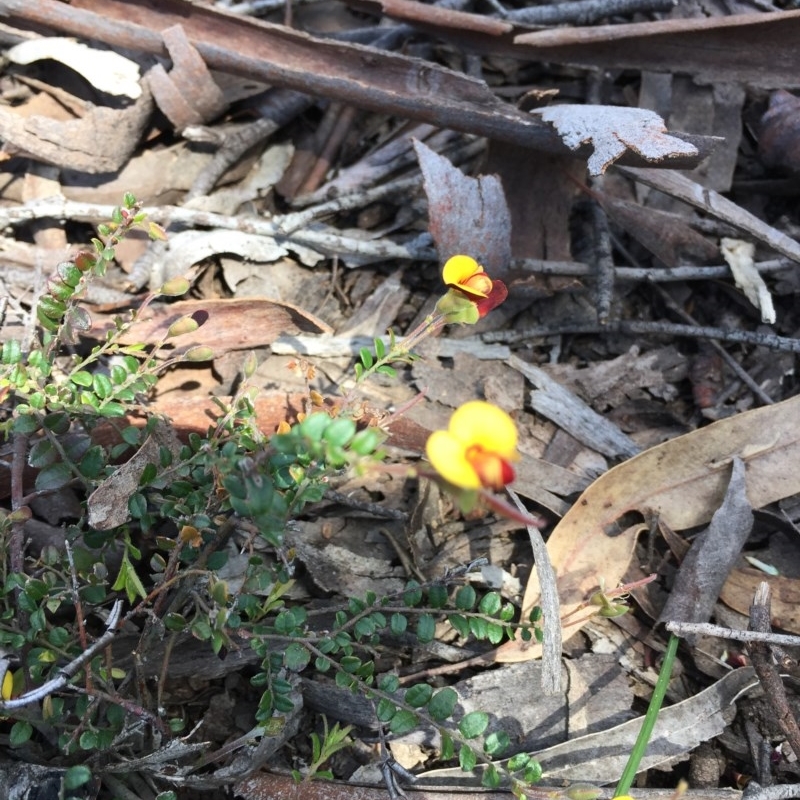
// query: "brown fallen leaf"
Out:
[683,481]
[714,551]
[738,591]
[108,503]
[232,324]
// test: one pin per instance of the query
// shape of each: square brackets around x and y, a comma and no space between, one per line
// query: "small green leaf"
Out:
[460,624]
[412,596]
[53,477]
[490,604]
[496,743]
[491,777]
[494,633]
[466,598]
[533,774]
[447,747]
[92,462]
[77,776]
[438,596]
[389,683]
[385,369]
[81,378]
[442,704]
[398,624]
[102,385]
[366,357]
[42,453]
[12,352]
[339,432]
[296,657]
[21,731]
[518,762]
[473,724]
[385,710]
[479,628]
[380,348]
[403,722]
[426,628]
[419,695]
[467,759]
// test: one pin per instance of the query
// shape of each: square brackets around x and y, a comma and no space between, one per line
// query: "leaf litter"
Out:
[373,212]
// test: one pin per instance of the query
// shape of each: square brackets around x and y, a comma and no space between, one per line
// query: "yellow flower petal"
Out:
[8,685]
[448,457]
[459,269]
[487,426]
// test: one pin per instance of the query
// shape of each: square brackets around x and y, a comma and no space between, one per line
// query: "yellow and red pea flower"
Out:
[476,450]
[466,276]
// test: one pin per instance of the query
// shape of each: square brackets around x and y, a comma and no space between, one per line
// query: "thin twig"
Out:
[770,340]
[551,644]
[734,365]
[764,665]
[707,629]
[65,673]
[604,263]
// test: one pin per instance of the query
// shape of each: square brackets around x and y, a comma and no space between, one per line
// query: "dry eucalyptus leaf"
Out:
[231,324]
[711,556]
[611,130]
[188,247]
[738,591]
[466,215]
[684,481]
[739,256]
[106,70]
[108,503]
[600,757]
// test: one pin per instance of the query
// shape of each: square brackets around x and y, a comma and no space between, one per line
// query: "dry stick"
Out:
[604,264]
[652,275]
[342,123]
[735,366]
[318,240]
[761,656]
[782,792]
[551,644]
[584,12]
[65,673]
[649,328]
[707,629]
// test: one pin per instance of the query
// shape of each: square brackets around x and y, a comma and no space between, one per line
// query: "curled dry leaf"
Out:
[107,71]
[683,481]
[611,130]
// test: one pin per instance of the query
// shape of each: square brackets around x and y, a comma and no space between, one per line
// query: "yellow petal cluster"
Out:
[465,273]
[477,448]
